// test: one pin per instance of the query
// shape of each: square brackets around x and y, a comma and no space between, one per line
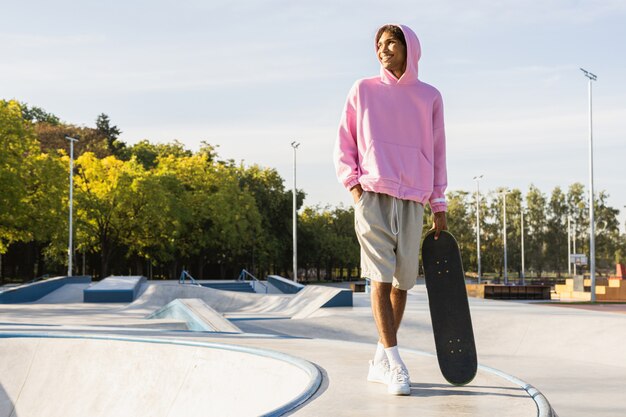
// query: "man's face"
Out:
[392,54]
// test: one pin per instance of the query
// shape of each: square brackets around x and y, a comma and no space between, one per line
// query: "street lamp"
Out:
[295,145]
[506,275]
[477,179]
[592,243]
[522,233]
[569,246]
[574,224]
[70,246]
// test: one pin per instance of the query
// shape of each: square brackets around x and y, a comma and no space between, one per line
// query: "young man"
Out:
[390,154]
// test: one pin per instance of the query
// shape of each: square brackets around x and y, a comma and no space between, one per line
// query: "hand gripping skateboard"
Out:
[449,308]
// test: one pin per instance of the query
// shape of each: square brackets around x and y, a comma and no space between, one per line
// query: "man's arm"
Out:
[440,179]
[345,154]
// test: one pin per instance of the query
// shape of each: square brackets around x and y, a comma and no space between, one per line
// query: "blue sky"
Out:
[251,76]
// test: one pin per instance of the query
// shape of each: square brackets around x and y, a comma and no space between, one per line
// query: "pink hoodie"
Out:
[391,137]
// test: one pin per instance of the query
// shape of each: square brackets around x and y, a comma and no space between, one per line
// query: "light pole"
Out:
[477,179]
[522,233]
[295,145]
[592,228]
[574,243]
[70,246]
[505,273]
[569,247]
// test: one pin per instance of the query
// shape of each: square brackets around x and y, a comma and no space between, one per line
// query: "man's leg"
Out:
[388,304]
[398,303]
[383,312]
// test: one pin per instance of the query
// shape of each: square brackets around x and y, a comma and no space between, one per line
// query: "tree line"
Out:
[154,209]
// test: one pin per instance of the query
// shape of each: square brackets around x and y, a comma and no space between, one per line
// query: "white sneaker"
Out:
[379,372]
[399,381]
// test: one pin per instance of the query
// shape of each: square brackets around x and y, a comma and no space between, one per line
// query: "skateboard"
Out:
[449,308]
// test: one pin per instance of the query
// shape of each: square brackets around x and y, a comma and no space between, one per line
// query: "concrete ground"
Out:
[573,356]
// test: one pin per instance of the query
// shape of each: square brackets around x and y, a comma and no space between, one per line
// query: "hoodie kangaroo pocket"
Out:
[405,165]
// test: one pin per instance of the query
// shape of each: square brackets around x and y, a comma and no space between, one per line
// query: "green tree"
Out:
[327,241]
[223,219]
[556,234]
[147,153]
[19,146]
[607,237]
[536,229]
[111,134]
[33,198]
[156,216]
[460,219]
[103,189]
[36,114]
[52,139]
[274,204]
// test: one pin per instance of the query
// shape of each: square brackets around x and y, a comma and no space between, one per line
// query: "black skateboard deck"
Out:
[449,308]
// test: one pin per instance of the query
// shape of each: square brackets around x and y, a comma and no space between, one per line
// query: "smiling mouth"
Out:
[386,57]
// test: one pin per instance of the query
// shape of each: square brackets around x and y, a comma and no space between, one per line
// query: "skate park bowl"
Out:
[69,375]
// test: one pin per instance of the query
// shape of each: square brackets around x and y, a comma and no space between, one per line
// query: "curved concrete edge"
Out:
[544,409]
[315,376]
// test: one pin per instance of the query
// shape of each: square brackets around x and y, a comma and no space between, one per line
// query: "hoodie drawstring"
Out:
[394,216]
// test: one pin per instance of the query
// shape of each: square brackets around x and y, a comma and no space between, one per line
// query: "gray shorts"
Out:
[389,231]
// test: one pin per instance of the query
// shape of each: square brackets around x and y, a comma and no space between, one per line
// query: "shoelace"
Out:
[401,375]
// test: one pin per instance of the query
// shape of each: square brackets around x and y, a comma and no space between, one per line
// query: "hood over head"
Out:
[413,54]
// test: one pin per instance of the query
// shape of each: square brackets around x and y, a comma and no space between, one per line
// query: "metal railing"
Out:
[183,275]
[242,277]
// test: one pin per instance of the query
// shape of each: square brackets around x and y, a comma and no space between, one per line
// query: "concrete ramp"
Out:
[196,314]
[310,299]
[300,305]
[105,376]
[69,293]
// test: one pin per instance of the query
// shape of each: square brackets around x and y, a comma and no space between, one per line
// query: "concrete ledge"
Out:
[36,290]
[285,285]
[114,289]
[342,299]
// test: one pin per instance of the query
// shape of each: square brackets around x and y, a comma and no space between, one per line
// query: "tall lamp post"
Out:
[295,145]
[522,233]
[70,246]
[574,243]
[505,273]
[592,243]
[569,247]
[477,179]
